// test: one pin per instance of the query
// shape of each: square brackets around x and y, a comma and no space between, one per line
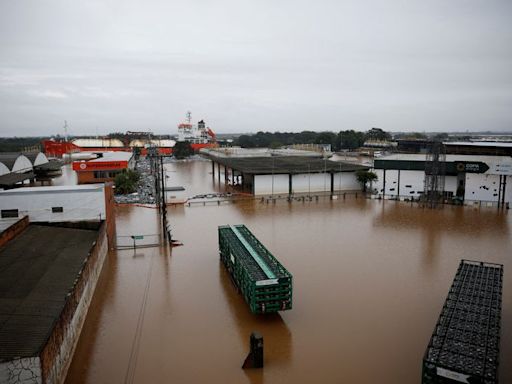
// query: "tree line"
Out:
[349,139]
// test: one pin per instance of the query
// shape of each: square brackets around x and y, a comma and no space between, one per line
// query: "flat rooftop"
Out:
[114,156]
[38,269]
[423,156]
[502,144]
[54,189]
[285,165]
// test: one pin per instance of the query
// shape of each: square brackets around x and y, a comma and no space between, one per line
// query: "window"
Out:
[57,209]
[9,213]
[105,174]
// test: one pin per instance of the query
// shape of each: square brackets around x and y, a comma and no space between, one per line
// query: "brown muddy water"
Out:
[370,278]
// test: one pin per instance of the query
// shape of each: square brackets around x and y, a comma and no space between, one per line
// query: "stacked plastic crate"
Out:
[465,344]
[265,284]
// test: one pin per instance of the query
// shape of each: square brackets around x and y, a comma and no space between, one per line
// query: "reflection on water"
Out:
[270,325]
[370,278]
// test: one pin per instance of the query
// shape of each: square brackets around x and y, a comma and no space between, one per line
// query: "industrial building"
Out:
[473,179]
[51,256]
[47,279]
[16,168]
[56,204]
[294,173]
[104,168]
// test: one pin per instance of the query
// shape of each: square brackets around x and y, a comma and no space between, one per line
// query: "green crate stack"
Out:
[265,284]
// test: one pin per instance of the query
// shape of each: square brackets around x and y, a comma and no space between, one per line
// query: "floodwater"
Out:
[370,278]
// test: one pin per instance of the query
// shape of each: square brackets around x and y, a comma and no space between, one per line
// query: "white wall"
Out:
[263,184]
[3,169]
[22,164]
[411,183]
[304,182]
[482,187]
[319,182]
[479,187]
[78,203]
[40,159]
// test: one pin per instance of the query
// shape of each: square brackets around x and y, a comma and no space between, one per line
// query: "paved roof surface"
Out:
[285,164]
[37,269]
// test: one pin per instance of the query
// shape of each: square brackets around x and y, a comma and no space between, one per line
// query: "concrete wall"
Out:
[58,352]
[21,371]
[78,204]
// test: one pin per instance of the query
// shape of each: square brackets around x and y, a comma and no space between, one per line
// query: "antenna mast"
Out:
[65,130]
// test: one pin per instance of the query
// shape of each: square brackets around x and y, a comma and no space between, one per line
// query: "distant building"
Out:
[104,168]
[470,178]
[284,174]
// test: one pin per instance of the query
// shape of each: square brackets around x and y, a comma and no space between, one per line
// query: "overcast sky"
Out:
[249,65]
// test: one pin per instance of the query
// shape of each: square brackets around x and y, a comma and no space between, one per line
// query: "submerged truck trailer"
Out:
[265,284]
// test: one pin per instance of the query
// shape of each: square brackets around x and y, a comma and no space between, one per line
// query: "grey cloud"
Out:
[245,66]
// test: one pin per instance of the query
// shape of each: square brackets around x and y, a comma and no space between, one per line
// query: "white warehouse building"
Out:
[473,179]
[288,175]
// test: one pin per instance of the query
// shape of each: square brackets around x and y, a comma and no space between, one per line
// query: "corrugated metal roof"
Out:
[37,270]
[13,178]
[285,164]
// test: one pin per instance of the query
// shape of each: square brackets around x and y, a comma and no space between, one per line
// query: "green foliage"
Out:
[18,144]
[182,150]
[349,139]
[365,177]
[126,181]
[116,135]
[377,134]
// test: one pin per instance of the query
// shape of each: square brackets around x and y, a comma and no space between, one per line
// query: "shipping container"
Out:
[265,284]
[464,347]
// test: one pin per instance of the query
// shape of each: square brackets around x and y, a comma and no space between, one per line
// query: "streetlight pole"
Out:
[273,163]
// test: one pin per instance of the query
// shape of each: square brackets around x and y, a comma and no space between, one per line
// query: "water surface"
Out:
[370,278]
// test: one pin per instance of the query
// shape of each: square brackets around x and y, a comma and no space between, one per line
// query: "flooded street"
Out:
[370,278]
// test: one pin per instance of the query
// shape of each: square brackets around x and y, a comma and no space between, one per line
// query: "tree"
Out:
[377,134]
[349,140]
[126,181]
[182,150]
[365,177]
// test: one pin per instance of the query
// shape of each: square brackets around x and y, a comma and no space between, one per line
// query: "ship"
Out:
[198,135]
